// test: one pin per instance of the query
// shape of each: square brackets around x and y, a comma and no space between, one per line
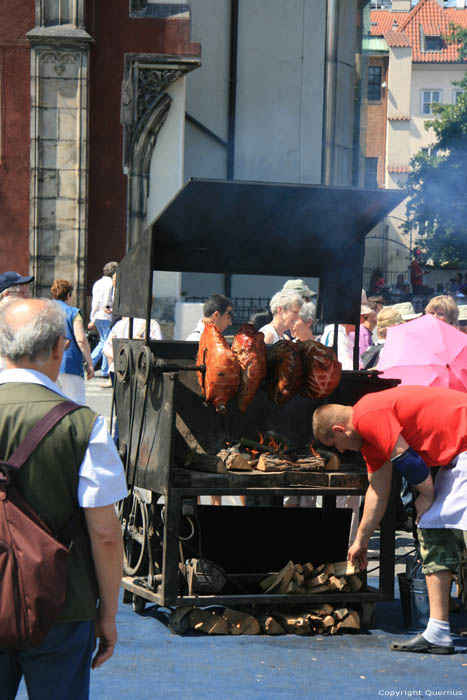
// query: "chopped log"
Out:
[207,621]
[238,462]
[308,570]
[268,581]
[336,584]
[293,588]
[351,621]
[344,568]
[328,621]
[355,582]
[298,578]
[299,568]
[319,569]
[240,622]
[205,463]
[317,580]
[292,623]
[269,625]
[252,445]
[279,462]
[279,581]
[329,569]
[340,613]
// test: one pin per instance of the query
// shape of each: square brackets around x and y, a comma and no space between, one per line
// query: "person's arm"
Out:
[105,535]
[425,488]
[376,500]
[83,344]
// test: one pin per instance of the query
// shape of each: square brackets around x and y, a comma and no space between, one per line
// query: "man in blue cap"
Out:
[12,284]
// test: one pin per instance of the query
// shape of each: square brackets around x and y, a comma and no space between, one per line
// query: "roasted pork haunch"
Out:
[221,379]
[284,371]
[250,349]
[321,368]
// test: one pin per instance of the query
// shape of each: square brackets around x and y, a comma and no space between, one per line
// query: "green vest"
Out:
[49,480]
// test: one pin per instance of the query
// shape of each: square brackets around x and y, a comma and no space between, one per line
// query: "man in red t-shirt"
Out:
[415,428]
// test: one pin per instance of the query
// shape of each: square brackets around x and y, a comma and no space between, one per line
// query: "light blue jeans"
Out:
[103,329]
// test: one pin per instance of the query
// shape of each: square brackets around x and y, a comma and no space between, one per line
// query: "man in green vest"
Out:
[76,463]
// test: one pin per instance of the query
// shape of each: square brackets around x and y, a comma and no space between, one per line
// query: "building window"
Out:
[374,83]
[456,96]
[430,97]
[433,43]
[371,172]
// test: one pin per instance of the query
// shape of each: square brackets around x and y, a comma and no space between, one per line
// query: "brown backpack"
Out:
[33,560]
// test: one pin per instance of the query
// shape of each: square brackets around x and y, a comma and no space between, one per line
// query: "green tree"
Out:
[437,185]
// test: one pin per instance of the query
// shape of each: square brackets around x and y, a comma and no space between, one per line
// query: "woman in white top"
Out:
[285,307]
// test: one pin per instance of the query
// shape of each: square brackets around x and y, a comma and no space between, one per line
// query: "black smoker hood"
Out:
[260,228]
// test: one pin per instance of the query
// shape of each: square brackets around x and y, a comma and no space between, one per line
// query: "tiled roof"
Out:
[433,20]
[397,39]
[398,169]
[431,28]
[399,117]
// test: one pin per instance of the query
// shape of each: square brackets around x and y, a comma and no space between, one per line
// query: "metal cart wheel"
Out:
[135,535]
[179,620]
[138,603]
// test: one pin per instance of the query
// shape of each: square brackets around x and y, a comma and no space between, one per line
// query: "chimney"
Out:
[460,4]
[401,6]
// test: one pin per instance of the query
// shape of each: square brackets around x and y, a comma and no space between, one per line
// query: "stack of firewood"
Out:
[321,619]
[298,578]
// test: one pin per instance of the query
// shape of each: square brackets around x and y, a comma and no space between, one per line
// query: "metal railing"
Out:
[243,307]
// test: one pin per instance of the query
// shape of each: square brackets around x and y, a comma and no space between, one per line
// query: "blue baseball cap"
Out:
[8,279]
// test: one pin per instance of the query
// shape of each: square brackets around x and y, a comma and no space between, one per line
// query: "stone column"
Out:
[59,145]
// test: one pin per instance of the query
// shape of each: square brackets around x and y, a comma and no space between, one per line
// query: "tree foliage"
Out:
[437,185]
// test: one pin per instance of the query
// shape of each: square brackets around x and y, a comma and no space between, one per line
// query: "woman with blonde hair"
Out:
[71,377]
[443,307]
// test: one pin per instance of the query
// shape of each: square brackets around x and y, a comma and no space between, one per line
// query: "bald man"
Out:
[79,464]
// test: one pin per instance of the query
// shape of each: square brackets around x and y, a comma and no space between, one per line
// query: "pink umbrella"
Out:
[425,351]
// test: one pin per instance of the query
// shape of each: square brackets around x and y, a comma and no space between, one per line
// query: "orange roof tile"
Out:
[434,21]
[398,169]
[431,28]
[397,39]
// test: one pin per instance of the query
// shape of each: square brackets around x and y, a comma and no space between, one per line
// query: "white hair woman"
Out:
[302,329]
[285,307]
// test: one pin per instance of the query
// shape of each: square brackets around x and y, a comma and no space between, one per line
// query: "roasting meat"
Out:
[321,368]
[250,349]
[222,377]
[285,371]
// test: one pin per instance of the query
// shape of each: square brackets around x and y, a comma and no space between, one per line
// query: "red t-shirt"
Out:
[432,420]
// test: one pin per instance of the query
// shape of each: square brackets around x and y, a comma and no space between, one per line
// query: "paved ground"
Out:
[150,662]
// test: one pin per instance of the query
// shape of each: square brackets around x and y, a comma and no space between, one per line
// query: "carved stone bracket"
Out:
[145,106]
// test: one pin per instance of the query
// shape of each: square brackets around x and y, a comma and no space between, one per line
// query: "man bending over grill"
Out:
[412,428]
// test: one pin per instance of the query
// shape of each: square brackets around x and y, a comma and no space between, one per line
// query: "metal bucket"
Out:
[414,602]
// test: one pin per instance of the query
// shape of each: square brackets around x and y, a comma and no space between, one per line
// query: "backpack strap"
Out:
[37,433]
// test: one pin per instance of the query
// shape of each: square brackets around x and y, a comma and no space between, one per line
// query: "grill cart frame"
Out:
[236,228]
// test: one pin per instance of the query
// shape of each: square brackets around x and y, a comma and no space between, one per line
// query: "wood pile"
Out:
[298,578]
[320,618]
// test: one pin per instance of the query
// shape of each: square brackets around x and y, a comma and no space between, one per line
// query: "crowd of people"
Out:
[45,354]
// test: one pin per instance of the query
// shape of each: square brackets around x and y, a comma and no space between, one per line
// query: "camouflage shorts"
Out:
[441,549]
